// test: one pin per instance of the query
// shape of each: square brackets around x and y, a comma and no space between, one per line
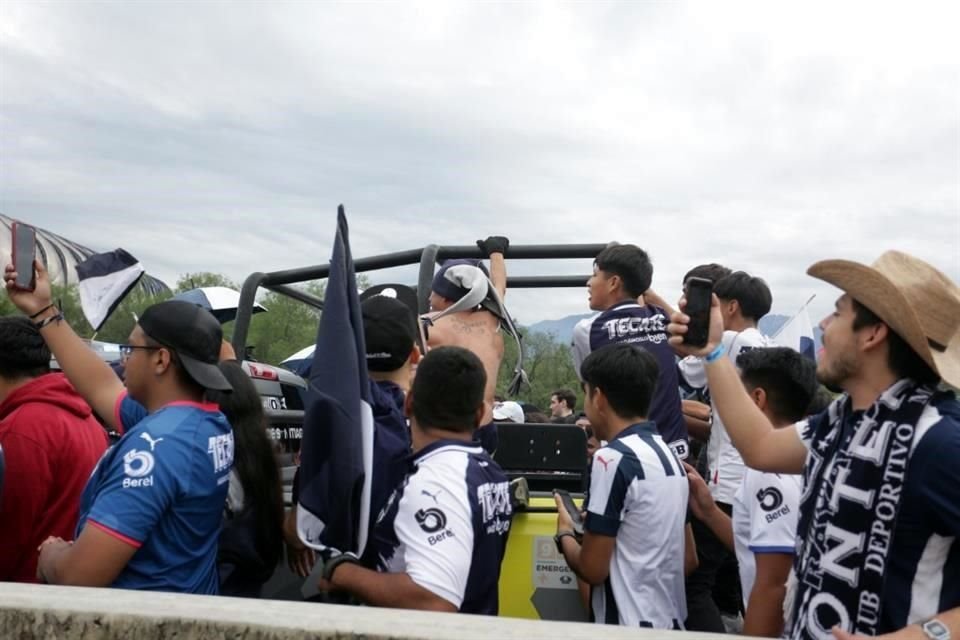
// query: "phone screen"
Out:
[24,253]
[698,294]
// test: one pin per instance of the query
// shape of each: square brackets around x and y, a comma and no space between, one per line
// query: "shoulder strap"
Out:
[480,292]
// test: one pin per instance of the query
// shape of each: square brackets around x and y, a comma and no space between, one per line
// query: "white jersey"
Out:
[764,520]
[446,527]
[638,493]
[724,463]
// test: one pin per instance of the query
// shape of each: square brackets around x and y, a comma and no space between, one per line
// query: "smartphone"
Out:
[23,253]
[572,509]
[699,293]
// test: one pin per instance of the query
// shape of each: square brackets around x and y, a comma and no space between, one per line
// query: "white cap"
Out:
[508,410]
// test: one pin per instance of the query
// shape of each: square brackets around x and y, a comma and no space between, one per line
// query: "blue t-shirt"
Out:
[643,326]
[162,489]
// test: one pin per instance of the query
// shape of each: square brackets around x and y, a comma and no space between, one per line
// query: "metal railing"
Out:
[427,257]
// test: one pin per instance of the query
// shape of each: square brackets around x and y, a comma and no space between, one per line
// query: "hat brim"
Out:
[205,374]
[877,293]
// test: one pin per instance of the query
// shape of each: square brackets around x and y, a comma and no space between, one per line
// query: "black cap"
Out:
[193,334]
[389,330]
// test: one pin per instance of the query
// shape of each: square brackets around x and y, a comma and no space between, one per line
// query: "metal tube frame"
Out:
[427,258]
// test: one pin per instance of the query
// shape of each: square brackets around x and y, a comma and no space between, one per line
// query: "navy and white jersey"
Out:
[644,326]
[638,493]
[922,571]
[764,519]
[724,465]
[447,526]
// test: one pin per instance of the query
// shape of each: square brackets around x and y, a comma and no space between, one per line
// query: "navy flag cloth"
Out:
[105,280]
[336,455]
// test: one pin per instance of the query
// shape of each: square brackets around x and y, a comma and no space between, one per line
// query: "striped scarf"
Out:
[848,512]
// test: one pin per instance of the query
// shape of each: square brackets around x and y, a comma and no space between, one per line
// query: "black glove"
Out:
[494,244]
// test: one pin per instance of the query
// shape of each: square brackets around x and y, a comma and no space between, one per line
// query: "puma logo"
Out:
[603,462]
[153,443]
[424,492]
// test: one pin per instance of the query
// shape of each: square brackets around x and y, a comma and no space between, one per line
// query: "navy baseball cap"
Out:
[193,334]
[389,331]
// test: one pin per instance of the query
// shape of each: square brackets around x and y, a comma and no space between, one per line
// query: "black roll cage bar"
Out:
[427,257]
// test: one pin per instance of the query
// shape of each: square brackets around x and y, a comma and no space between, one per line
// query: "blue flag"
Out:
[336,455]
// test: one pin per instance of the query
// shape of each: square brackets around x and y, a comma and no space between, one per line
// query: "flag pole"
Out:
[793,317]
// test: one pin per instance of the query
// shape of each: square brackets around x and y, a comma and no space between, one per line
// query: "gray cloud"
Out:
[217,136]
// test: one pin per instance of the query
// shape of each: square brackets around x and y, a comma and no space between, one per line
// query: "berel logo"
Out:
[769,498]
[137,464]
[431,520]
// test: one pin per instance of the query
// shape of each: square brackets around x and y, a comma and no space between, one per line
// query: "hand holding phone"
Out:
[699,292]
[572,509]
[24,253]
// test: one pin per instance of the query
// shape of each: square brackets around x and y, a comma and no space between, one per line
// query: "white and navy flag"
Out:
[336,454]
[797,334]
[105,279]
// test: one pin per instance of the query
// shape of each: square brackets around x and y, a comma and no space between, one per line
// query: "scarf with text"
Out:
[848,512]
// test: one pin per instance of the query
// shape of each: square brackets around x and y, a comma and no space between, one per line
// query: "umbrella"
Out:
[222,302]
[300,362]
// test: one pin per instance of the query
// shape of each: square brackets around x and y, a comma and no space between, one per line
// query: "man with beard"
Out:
[880,512]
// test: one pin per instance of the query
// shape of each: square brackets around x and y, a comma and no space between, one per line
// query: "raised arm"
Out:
[652,297]
[494,247]
[92,377]
[760,445]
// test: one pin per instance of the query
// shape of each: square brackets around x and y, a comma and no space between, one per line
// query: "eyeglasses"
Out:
[126,350]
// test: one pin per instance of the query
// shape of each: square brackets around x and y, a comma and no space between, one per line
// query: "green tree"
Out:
[286,327]
[6,307]
[549,366]
[203,279]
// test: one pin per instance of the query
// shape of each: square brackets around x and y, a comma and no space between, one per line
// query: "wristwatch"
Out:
[935,630]
[558,540]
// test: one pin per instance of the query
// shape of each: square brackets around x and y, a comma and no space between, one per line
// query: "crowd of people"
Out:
[734,487]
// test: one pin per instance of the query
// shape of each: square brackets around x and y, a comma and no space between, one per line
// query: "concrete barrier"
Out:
[42,612]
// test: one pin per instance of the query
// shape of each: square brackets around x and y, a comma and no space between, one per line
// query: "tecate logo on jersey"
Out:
[494,498]
[627,327]
[220,449]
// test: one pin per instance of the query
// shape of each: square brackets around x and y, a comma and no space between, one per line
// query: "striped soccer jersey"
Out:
[644,326]
[447,526]
[638,493]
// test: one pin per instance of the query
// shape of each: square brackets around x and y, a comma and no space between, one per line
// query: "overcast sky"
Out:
[221,136]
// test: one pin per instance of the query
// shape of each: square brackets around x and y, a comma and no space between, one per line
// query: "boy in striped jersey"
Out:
[632,551]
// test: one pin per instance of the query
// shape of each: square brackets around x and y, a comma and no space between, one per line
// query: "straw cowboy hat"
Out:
[915,300]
